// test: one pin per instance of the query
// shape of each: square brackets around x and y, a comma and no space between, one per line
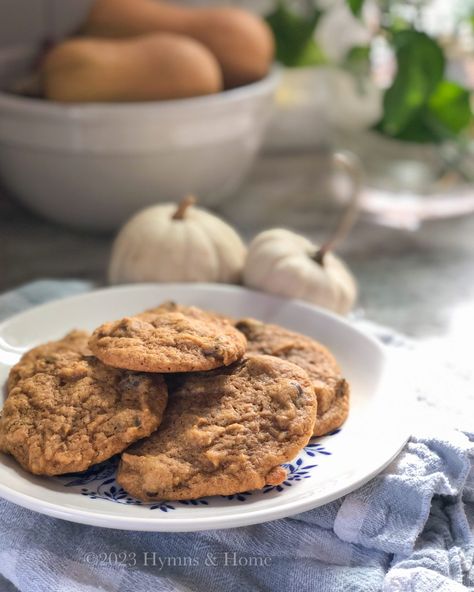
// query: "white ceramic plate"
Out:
[326,469]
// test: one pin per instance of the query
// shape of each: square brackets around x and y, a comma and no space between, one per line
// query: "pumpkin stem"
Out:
[351,166]
[183,205]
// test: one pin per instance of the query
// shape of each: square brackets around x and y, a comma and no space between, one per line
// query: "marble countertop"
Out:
[420,283]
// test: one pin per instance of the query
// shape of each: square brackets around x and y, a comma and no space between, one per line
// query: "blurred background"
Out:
[389,83]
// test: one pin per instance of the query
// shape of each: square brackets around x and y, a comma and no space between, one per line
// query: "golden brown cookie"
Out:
[172,306]
[161,340]
[332,390]
[46,357]
[224,432]
[67,411]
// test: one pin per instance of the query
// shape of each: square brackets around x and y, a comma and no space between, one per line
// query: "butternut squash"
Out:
[152,67]
[241,41]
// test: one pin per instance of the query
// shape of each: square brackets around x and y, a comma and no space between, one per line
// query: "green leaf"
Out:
[446,114]
[355,6]
[294,34]
[420,68]
[312,55]
[418,130]
[357,60]
[450,106]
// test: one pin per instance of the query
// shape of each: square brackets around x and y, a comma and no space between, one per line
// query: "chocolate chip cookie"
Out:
[171,306]
[67,411]
[47,356]
[180,339]
[332,390]
[224,432]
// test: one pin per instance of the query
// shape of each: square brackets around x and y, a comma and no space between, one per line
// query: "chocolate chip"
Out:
[298,387]
[213,352]
[341,388]
[129,382]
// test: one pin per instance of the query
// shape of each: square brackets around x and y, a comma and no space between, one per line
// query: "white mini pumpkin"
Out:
[284,263]
[170,243]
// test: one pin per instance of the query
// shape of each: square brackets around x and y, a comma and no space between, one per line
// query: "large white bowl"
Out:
[93,165]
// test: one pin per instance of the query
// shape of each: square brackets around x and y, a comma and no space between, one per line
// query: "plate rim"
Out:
[169,523]
[223,287]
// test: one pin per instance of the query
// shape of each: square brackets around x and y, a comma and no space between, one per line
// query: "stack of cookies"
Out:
[195,403]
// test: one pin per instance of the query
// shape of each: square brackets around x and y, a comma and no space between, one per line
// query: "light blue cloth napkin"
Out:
[409,529]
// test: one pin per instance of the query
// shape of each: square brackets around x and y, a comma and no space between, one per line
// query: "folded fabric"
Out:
[409,529]
[37,293]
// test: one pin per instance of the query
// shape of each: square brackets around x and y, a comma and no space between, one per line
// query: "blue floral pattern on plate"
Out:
[101,483]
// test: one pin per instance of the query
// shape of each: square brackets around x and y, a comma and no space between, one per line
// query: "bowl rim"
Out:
[31,106]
